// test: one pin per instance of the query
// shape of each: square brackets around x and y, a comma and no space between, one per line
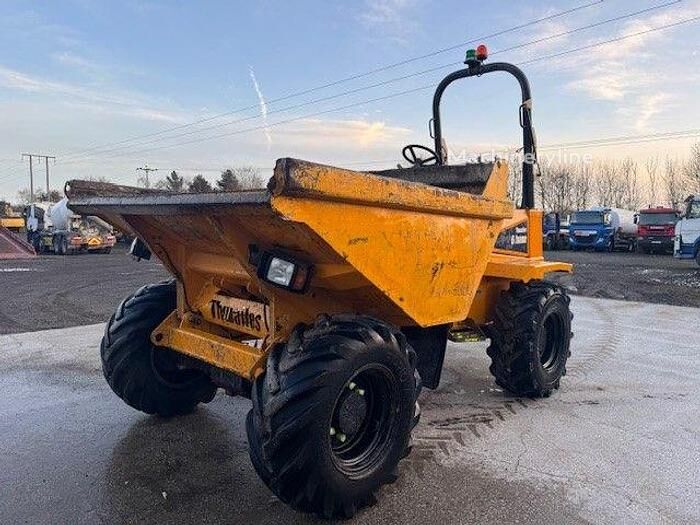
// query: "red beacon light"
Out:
[476,56]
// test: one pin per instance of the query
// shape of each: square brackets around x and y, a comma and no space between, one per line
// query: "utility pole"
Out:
[31,172]
[147,170]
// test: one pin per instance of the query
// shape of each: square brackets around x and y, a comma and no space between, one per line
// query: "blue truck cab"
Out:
[687,240]
[602,229]
[551,225]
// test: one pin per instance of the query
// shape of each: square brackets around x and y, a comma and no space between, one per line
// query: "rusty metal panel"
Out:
[227,354]
[297,178]
[424,248]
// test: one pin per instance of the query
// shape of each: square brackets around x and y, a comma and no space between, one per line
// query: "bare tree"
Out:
[24,196]
[515,181]
[609,186]
[673,182]
[99,178]
[582,187]
[692,169]
[564,188]
[248,177]
[631,198]
[652,169]
[556,188]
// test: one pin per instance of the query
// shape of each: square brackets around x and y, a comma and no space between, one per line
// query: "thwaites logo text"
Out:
[238,317]
[245,316]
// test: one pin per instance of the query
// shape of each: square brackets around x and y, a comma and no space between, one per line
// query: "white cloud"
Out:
[31,25]
[103,100]
[626,72]
[646,107]
[388,18]
[352,134]
[71,59]
[547,34]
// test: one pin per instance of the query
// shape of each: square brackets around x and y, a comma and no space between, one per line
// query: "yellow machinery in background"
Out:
[329,297]
[10,219]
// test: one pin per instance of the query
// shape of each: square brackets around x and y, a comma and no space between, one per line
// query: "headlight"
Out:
[280,271]
[284,272]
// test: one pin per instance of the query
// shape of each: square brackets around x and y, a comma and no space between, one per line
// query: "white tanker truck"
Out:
[54,228]
[603,229]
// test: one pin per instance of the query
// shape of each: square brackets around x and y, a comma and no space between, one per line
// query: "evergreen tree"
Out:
[199,185]
[228,181]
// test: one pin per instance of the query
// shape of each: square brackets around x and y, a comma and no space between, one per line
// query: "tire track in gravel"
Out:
[453,421]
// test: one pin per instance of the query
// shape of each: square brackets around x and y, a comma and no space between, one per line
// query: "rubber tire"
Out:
[64,246]
[293,401]
[127,356]
[515,338]
[56,245]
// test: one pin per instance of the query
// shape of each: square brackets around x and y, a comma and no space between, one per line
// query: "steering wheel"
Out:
[410,154]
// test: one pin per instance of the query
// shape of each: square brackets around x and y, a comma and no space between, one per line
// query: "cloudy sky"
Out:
[107,87]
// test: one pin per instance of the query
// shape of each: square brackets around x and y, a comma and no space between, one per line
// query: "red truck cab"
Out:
[656,229]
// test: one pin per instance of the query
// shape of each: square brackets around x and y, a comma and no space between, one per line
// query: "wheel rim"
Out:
[363,421]
[168,372]
[552,341]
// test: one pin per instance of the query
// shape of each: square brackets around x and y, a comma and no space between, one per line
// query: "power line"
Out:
[408,91]
[624,140]
[387,82]
[618,39]
[574,50]
[601,142]
[347,79]
[31,171]
[147,171]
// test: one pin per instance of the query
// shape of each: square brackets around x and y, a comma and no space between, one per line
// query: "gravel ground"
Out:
[632,277]
[617,444]
[57,292]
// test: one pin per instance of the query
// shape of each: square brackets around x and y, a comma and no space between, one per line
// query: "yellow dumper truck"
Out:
[329,298]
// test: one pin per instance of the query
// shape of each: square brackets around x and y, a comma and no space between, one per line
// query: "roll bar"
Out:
[476,68]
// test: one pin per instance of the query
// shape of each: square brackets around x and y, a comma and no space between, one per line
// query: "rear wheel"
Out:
[530,338]
[333,414]
[146,377]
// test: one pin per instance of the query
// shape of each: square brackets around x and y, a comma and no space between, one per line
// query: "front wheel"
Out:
[332,415]
[146,377]
[530,338]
